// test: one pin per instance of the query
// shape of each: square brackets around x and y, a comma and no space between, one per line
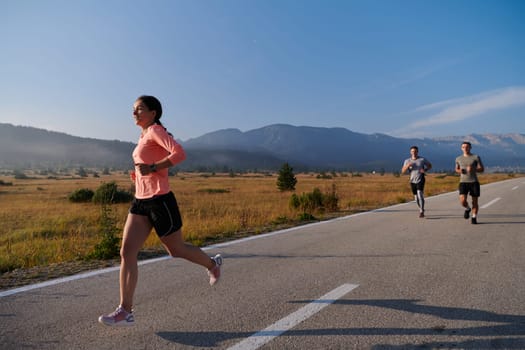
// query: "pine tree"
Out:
[286,180]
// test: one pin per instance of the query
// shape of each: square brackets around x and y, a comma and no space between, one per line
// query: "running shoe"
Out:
[215,272]
[119,317]
[421,214]
[467,213]
[474,221]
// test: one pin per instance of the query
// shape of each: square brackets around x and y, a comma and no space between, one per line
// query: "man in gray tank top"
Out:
[468,165]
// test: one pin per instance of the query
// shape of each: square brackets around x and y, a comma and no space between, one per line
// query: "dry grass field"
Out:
[40,226]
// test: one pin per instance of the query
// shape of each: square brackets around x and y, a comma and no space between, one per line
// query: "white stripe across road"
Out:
[490,203]
[262,337]
[515,188]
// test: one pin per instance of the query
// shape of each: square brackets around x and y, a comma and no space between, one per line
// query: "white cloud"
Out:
[382,86]
[423,72]
[455,110]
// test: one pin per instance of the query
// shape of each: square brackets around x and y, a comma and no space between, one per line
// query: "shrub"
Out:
[294,201]
[109,193]
[109,245]
[324,176]
[306,217]
[20,175]
[81,195]
[82,172]
[311,202]
[331,200]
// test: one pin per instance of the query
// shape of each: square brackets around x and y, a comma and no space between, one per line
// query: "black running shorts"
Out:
[471,188]
[162,211]
[419,186]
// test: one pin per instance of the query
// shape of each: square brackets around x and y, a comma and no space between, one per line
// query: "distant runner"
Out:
[468,165]
[418,166]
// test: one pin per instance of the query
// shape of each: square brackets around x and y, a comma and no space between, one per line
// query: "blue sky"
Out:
[404,68]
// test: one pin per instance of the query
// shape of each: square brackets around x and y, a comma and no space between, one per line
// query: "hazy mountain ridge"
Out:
[266,148]
[339,148]
[22,146]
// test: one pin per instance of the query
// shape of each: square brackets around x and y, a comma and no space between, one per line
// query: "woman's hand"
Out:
[144,169]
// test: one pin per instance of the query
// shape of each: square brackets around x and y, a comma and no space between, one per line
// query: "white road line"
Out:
[490,203]
[515,188]
[262,337]
[79,276]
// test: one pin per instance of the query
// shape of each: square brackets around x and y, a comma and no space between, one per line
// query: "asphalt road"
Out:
[379,280]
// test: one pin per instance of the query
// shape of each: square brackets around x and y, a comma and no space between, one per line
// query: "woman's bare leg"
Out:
[136,232]
[176,247]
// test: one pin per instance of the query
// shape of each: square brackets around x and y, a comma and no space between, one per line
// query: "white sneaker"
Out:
[215,272]
[119,317]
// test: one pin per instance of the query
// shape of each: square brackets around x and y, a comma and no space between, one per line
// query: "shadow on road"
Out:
[507,333]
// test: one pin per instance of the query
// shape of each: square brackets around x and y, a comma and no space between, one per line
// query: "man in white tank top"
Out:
[418,166]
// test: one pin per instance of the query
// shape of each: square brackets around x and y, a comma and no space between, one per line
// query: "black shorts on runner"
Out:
[471,188]
[419,186]
[162,211]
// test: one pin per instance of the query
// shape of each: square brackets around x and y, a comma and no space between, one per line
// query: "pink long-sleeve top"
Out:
[153,146]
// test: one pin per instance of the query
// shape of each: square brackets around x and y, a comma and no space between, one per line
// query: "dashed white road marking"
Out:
[262,337]
[515,188]
[490,203]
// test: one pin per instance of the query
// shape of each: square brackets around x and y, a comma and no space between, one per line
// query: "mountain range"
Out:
[266,148]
